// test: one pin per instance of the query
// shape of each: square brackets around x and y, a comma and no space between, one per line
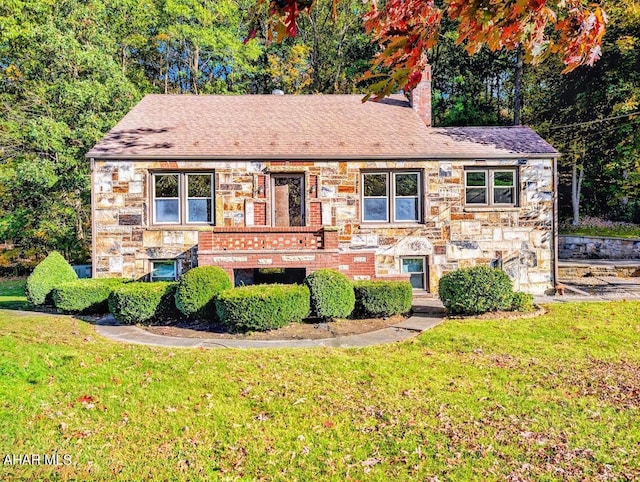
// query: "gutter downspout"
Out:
[93,220]
[554,247]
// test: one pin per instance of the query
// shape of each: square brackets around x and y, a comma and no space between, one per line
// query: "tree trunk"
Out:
[195,69]
[166,72]
[517,88]
[576,186]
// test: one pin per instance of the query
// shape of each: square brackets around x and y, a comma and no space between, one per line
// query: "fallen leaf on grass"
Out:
[370,462]
[86,399]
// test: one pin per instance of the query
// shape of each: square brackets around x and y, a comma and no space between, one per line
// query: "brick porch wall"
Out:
[310,247]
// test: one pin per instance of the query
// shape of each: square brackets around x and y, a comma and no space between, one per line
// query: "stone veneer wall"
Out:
[451,236]
[597,247]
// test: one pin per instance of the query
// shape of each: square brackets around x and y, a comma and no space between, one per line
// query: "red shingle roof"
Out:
[298,127]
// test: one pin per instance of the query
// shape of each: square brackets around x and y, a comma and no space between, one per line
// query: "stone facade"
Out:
[449,235]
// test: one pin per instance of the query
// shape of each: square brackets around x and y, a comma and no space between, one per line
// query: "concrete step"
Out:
[580,270]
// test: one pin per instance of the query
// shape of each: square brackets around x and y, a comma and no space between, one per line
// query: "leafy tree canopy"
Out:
[406,29]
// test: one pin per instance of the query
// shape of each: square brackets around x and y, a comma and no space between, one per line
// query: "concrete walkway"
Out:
[427,314]
[603,282]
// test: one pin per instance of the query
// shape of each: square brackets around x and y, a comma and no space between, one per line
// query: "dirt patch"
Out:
[308,330]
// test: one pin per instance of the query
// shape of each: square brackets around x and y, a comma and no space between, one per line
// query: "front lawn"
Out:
[12,295]
[548,398]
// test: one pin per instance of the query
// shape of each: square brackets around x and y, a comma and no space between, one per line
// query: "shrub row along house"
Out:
[273,187]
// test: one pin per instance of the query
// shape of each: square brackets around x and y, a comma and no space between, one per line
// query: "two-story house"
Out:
[272,187]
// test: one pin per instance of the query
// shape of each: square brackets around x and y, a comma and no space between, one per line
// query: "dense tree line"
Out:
[70,69]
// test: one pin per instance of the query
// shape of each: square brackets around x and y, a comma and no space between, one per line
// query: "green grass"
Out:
[12,295]
[548,398]
[628,232]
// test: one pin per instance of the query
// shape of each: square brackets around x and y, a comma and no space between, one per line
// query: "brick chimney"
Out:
[420,96]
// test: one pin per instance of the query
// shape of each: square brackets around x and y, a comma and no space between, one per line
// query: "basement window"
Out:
[164,270]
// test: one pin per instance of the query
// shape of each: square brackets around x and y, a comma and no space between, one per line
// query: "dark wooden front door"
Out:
[288,200]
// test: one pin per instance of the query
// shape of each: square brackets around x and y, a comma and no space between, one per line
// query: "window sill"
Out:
[180,227]
[480,209]
[391,225]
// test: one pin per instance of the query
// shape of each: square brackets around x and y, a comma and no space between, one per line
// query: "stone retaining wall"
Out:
[591,247]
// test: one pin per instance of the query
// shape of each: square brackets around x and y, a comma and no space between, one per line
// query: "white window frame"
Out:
[391,196]
[489,187]
[386,196]
[153,199]
[183,198]
[175,268]
[425,267]
[187,198]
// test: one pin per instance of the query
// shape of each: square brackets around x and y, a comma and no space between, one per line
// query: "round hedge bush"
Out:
[382,298]
[522,302]
[332,294]
[197,291]
[262,307]
[471,291]
[144,303]
[52,272]
[86,296]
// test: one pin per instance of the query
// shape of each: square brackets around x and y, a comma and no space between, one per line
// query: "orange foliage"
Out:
[406,29]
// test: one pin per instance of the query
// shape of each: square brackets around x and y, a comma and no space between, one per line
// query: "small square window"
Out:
[164,270]
[416,269]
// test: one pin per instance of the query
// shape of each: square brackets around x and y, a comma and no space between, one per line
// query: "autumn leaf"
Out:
[405,30]
[86,399]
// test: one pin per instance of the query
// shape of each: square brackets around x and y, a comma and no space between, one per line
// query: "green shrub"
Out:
[262,307]
[197,291]
[470,291]
[52,272]
[85,296]
[144,303]
[332,294]
[522,301]
[382,298]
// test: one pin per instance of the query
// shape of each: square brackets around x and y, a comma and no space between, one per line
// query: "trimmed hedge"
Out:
[86,296]
[382,298]
[262,307]
[144,303]
[332,294]
[197,291]
[522,302]
[52,272]
[471,291]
